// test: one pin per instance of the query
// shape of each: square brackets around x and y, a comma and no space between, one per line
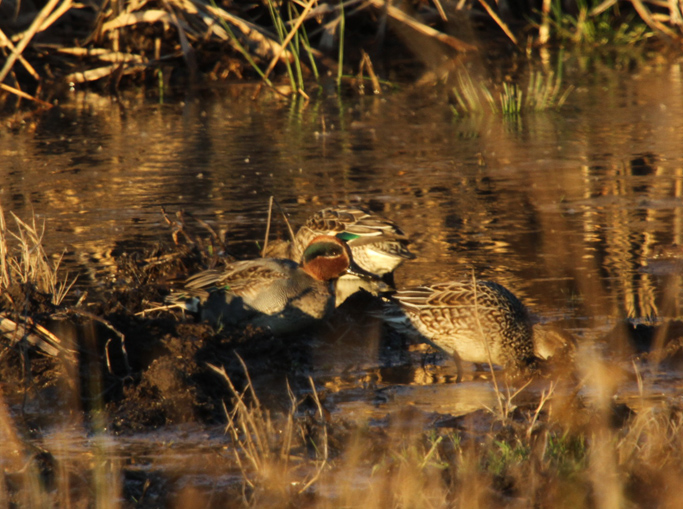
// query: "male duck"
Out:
[378,245]
[277,294]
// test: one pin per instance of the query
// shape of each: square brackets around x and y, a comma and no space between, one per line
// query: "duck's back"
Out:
[472,320]
[271,293]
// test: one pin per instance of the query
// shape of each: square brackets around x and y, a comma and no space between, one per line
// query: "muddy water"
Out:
[569,209]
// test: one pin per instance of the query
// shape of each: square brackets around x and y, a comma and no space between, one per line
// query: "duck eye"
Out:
[326,249]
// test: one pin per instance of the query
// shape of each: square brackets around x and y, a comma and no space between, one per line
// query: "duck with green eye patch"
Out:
[277,294]
[378,245]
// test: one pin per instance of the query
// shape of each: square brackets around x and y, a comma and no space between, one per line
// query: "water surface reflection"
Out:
[565,208]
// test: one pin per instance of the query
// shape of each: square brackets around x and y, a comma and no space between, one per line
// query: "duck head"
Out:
[326,258]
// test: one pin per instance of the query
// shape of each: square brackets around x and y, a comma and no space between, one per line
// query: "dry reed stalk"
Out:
[6,42]
[498,21]
[272,201]
[646,16]
[56,14]
[544,29]
[35,334]
[35,27]
[398,15]
[265,46]
[366,63]
[599,9]
[5,269]
[128,19]
[270,216]
[101,72]
[24,95]
[439,8]
[105,55]
[289,38]
[675,15]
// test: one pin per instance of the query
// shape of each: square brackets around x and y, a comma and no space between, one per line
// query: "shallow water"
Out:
[564,207]
[567,209]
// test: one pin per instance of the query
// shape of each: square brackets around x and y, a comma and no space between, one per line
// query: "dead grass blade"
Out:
[325,441]
[366,64]
[26,329]
[35,27]
[263,449]
[398,15]
[6,42]
[499,21]
[272,201]
[270,217]
[31,264]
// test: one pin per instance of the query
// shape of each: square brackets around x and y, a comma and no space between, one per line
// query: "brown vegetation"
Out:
[164,44]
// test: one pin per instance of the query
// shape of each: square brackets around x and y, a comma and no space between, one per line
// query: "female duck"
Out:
[474,321]
[276,294]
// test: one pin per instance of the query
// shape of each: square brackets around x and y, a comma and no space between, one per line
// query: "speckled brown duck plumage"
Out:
[474,321]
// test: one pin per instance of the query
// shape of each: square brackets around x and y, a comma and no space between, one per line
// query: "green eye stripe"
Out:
[322,249]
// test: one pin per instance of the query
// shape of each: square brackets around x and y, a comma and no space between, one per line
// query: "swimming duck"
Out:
[378,245]
[276,294]
[474,321]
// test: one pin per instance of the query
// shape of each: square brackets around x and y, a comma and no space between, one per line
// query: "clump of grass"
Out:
[468,96]
[264,448]
[543,92]
[596,24]
[28,263]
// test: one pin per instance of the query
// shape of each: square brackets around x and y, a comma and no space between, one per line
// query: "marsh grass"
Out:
[134,40]
[296,81]
[266,450]
[27,262]
[556,448]
[559,450]
[543,92]
[596,26]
